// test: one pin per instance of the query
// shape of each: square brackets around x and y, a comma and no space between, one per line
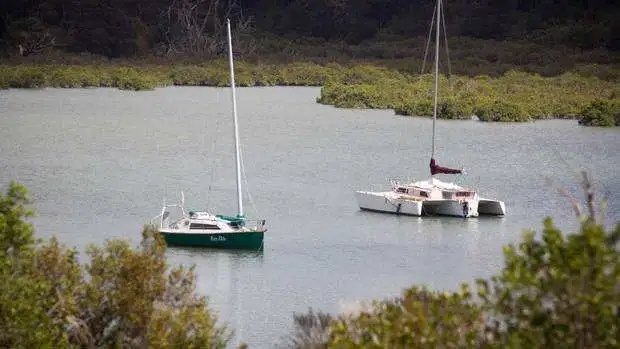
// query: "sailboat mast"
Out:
[236,127]
[436,73]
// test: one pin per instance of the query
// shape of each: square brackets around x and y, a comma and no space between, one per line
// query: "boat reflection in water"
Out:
[225,277]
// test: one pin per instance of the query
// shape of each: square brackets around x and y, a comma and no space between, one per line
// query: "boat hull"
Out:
[452,208]
[385,202]
[246,240]
[388,202]
[491,207]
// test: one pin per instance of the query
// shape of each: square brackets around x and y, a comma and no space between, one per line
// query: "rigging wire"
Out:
[212,170]
[245,181]
[445,35]
[428,42]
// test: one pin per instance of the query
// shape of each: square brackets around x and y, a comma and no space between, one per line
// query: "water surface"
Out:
[98,163]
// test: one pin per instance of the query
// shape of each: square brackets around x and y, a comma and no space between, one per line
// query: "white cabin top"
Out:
[433,189]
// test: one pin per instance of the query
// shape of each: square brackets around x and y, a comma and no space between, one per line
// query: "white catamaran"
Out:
[432,196]
[202,228]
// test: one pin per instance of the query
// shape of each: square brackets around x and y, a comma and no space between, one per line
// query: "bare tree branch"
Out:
[34,43]
[197,26]
[572,199]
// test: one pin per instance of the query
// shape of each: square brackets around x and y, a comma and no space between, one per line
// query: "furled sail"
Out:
[438,169]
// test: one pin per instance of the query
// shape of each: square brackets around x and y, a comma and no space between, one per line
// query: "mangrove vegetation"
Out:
[514,96]
[589,91]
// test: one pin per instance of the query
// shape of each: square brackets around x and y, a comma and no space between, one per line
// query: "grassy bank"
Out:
[514,96]
[147,76]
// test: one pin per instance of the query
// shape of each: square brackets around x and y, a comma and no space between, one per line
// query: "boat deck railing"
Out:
[259,224]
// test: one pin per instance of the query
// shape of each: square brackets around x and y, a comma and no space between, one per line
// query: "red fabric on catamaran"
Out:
[438,169]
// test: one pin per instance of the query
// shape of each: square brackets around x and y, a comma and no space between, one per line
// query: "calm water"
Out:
[98,163]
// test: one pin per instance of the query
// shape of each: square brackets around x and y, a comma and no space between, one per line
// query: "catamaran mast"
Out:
[436,73]
[236,127]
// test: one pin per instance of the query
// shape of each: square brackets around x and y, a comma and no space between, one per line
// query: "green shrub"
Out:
[367,74]
[6,75]
[303,74]
[601,112]
[28,77]
[498,110]
[418,108]
[557,291]
[419,319]
[190,75]
[73,77]
[265,75]
[129,78]
[453,108]
[514,97]
[122,297]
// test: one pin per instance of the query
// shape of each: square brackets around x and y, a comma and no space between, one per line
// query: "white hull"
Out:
[388,202]
[391,202]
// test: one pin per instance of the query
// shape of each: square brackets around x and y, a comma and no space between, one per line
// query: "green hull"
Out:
[250,240]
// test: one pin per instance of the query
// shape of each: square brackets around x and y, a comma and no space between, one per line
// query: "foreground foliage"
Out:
[555,291]
[122,297]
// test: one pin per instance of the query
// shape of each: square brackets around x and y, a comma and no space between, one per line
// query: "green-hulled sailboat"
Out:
[204,229]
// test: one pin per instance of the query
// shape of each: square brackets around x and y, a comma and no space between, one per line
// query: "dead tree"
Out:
[197,27]
[34,43]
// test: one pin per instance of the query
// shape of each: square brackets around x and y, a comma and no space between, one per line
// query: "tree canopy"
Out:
[124,28]
[122,297]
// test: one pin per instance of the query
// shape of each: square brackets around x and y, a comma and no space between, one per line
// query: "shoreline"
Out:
[515,96]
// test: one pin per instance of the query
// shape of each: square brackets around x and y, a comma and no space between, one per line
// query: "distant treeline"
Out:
[127,28]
